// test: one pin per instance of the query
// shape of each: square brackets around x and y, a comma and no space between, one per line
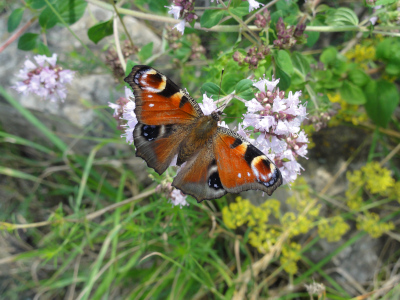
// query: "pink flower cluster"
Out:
[45,78]
[278,119]
[184,9]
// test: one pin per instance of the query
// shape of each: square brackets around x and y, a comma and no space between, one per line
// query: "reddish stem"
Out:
[17,34]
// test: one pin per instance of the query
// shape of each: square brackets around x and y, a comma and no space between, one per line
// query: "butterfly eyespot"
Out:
[214,181]
[150,132]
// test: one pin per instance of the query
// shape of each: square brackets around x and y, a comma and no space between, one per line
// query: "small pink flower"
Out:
[180,26]
[46,79]
[178,198]
[208,105]
[254,5]
[175,10]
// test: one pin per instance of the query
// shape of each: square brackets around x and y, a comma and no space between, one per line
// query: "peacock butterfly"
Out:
[171,125]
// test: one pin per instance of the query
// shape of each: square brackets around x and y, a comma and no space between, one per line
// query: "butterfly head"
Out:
[216,115]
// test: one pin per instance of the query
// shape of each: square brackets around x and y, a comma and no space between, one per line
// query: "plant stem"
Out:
[17,34]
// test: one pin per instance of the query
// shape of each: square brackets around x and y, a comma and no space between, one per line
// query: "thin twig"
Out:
[117,44]
[17,34]
[123,24]
[390,155]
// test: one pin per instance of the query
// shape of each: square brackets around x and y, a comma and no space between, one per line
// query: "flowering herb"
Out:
[278,119]
[45,78]
[182,9]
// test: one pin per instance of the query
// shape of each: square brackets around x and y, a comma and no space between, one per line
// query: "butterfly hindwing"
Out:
[242,166]
[159,101]
[199,176]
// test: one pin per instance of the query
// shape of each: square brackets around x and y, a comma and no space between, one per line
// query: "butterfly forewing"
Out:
[163,112]
[159,101]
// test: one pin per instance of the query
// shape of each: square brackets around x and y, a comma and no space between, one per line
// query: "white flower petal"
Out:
[254,5]
[208,105]
[180,26]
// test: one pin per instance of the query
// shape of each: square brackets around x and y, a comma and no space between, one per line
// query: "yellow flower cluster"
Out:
[378,181]
[370,223]
[348,112]
[332,229]
[361,54]
[290,256]
[375,178]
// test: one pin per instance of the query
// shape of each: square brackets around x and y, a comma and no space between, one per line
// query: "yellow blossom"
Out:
[332,229]
[378,179]
[370,223]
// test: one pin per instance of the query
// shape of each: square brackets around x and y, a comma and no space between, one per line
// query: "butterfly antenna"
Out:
[220,83]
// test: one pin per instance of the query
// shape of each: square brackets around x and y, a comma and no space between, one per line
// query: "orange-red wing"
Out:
[199,176]
[159,101]
[242,166]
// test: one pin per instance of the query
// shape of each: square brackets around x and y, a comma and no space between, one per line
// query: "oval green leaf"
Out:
[15,18]
[284,62]
[352,94]
[210,88]
[284,79]
[99,31]
[28,41]
[358,77]
[382,100]
[212,17]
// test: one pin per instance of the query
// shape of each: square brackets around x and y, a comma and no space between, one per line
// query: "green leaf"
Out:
[244,89]
[210,88]
[242,10]
[381,2]
[43,49]
[382,100]
[47,18]
[235,110]
[236,3]
[15,18]
[341,17]
[69,10]
[243,85]
[99,31]
[212,17]
[300,63]
[313,36]
[28,41]
[339,66]
[389,51]
[393,69]
[36,4]
[284,79]
[328,56]
[229,82]
[129,65]
[358,77]
[352,94]
[284,62]
[146,52]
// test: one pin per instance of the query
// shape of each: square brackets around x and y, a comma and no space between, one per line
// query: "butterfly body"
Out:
[214,159]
